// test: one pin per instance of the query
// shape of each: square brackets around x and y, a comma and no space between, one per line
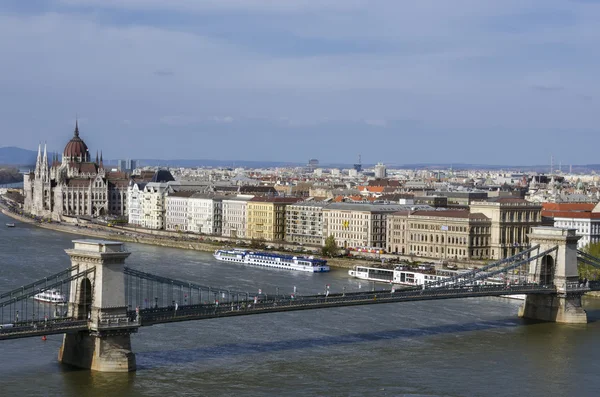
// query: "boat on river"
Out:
[10,225]
[276,261]
[418,276]
[404,275]
[51,296]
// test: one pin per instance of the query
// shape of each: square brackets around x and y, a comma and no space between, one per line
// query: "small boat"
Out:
[10,225]
[50,296]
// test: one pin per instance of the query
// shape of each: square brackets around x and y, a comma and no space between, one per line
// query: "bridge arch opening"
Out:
[547,270]
[84,309]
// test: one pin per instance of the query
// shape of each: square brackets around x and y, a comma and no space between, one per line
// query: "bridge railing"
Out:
[179,313]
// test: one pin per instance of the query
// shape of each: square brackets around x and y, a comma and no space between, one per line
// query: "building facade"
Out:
[206,214]
[304,223]
[583,217]
[357,225]
[512,220]
[439,234]
[177,212]
[153,205]
[266,217]
[235,216]
[135,193]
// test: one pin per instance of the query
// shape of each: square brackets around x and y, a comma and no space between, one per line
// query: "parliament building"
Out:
[74,186]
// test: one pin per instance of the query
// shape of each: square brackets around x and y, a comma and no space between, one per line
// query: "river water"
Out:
[461,347]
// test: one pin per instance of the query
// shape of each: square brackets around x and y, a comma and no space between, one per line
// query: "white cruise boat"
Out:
[277,261]
[51,296]
[423,274]
[401,275]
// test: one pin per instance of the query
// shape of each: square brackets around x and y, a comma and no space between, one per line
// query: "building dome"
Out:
[76,148]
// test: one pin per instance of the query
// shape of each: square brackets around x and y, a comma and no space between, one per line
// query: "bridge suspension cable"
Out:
[43,281]
[476,274]
[588,259]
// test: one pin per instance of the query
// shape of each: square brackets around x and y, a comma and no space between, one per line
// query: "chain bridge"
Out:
[108,301]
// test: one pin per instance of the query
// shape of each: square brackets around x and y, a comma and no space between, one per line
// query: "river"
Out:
[461,347]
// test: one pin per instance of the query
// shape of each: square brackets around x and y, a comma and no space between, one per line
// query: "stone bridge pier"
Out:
[560,268]
[100,298]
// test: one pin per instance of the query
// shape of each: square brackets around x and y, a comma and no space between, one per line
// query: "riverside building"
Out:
[511,222]
[452,234]
[304,223]
[235,216]
[358,225]
[583,217]
[74,185]
[266,217]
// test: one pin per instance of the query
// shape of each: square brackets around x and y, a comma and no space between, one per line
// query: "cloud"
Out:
[179,120]
[164,72]
[327,66]
[225,119]
[201,6]
[547,88]
[376,123]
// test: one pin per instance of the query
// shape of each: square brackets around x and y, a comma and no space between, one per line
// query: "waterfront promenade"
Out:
[184,241]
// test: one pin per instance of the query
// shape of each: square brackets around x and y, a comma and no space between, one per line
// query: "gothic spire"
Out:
[97,157]
[101,162]
[76,128]
[38,160]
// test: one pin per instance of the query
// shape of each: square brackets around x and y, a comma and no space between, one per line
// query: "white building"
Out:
[146,203]
[235,216]
[153,205]
[586,224]
[380,171]
[205,214]
[177,215]
[135,194]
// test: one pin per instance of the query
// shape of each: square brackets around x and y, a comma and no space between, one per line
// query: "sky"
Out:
[431,81]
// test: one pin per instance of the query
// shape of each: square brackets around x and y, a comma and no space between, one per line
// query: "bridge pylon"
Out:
[559,268]
[99,298]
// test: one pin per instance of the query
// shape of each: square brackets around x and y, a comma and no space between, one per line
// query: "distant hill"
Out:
[10,175]
[215,163]
[26,158]
[17,156]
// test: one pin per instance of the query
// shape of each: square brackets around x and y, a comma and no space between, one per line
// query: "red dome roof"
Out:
[76,147]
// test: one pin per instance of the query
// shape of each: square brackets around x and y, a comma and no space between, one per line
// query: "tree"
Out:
[257,243]
[330,248]
[587,271]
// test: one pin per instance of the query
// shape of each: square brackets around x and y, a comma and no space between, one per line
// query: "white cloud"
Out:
[269,6]
[376,123]
[454,65]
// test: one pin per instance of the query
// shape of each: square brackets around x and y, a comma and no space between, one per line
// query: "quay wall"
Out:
[112,234]
[165,238]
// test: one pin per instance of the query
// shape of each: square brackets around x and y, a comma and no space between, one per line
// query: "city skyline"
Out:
[401,83]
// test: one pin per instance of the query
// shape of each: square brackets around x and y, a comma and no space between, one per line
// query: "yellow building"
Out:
[266,217]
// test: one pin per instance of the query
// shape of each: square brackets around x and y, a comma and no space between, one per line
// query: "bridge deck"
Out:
[200,312]
[168,314]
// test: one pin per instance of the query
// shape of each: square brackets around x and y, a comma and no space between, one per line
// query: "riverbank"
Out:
[111,233]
